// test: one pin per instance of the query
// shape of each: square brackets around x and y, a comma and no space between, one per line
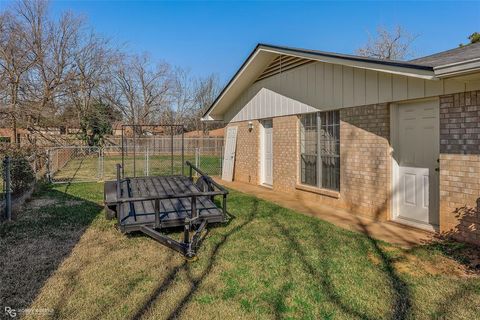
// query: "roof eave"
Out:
[394,67]
[458,68]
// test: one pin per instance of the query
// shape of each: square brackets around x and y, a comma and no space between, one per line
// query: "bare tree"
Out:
[93,58]
[182,98]
[139,89]
[55,69]
[55,72]
[206,91]
[389,45]
[190,97]
[16,61]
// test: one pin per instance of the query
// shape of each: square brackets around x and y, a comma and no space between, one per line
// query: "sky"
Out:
[216,37]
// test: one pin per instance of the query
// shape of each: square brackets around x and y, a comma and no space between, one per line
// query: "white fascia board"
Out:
[457,68]
[207,118]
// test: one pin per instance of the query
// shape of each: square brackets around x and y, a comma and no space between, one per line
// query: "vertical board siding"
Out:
[384,87]
[328,84]
[371,87]
[359,87]
[320,80]
[347,87]
[337,85]
[453,86]
[325,86]
[400,87]
[416,88]
[432,88]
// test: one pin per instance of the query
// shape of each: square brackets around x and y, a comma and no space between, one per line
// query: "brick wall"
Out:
[247,152]
[285,142]
[365,159]
[460,166]
[364,153]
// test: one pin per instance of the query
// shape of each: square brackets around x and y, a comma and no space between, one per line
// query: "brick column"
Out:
[365,162]
[285,153]
[460,166]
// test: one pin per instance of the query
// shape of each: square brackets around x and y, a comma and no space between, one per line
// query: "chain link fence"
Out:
[74,164]
[88,164]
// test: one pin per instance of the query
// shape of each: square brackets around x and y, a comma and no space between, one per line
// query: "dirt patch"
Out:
[48,202]
[42,202]
[416,266]
[71,203]
[373,259]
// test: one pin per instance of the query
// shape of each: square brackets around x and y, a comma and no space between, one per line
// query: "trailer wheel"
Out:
[110,214]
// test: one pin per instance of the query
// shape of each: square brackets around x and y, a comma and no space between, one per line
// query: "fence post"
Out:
[102,152]
[197,159]
[147,169]
[99,164]
[49,174]
[35,169]
[8,189]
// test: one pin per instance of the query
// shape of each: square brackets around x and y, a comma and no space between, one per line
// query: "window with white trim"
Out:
[320,149]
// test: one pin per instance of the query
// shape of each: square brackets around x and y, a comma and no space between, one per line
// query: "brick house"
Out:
[386,139]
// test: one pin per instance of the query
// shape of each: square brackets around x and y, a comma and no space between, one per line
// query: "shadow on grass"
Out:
[322,275]
[36,244]
[72,178]
[402,303]
[194,282]
[445,309]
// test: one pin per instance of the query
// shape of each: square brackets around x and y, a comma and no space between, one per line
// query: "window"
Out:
[320,150]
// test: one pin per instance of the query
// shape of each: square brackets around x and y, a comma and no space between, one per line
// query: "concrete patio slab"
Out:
[388,231]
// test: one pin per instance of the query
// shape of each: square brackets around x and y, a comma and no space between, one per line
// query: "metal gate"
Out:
[137,149]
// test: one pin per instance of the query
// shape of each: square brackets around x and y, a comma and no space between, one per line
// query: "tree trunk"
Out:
[14,129]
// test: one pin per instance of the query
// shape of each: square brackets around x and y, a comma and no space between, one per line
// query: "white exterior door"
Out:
[229,154]
[267,152]
[416,153]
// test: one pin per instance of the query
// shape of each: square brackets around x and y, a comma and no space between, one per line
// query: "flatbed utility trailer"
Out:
[152,203]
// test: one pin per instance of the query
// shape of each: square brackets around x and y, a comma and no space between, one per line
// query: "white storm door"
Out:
[267,152]
[229,154]
[418,152]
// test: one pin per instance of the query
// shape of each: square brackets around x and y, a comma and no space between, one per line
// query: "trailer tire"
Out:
[110,214]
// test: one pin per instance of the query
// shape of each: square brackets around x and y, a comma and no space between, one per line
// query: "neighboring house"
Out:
[216,133]
[386,139]
[7,136]
[117,128]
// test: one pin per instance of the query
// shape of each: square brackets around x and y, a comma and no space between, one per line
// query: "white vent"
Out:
[281,64]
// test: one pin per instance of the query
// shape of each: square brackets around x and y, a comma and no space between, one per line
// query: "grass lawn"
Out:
[88,168]
[268,262]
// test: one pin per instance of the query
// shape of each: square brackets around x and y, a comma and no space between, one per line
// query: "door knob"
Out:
[437,169]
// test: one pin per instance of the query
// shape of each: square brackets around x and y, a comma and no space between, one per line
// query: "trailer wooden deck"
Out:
[149,204]
[172,210]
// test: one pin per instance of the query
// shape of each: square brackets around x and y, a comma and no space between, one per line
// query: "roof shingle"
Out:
[467,52]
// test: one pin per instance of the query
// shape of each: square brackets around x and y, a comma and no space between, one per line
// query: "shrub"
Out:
[21,172]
